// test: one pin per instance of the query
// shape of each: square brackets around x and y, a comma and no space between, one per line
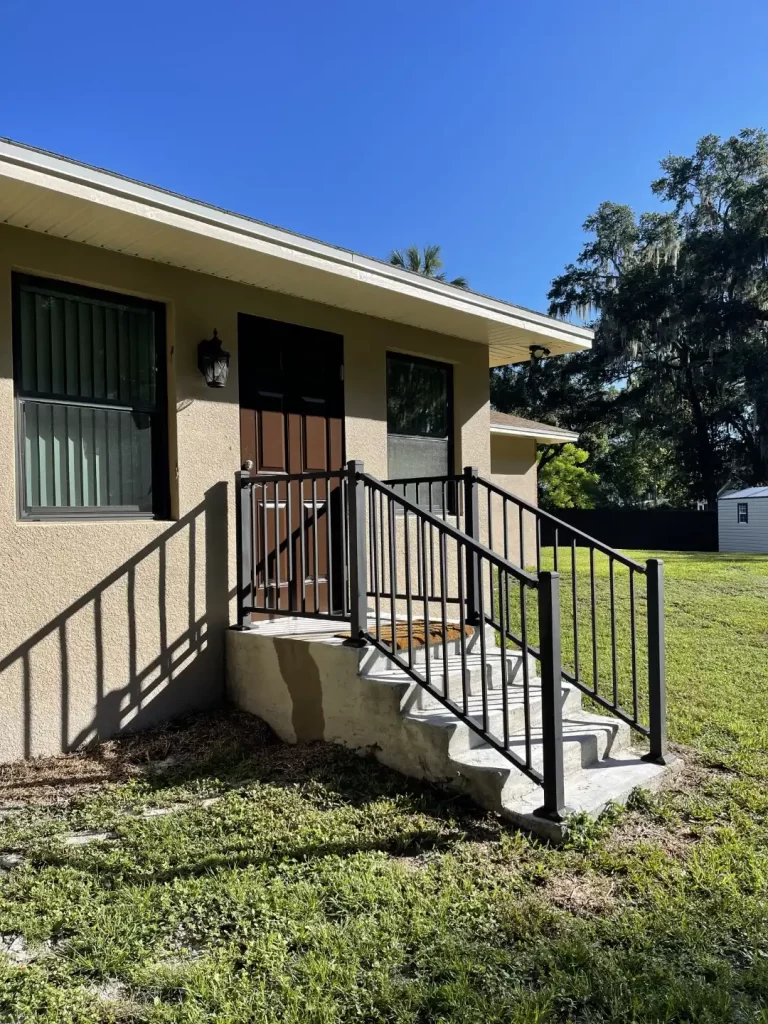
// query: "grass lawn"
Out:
[309,885]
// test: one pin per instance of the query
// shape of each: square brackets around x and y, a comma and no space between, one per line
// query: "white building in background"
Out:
[742,520]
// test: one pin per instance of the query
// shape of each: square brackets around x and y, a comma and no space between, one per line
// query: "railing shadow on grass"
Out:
[113,617]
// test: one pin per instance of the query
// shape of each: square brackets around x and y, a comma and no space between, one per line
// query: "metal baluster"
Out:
[328,545]
[392,574]
[483,658]
[505,527]
[460,553]
[289,543]
[526,673]
[277,545]
[595,675]
[345,552]
[375,552]
[303,546]
[538,544]
[491,572]
[265,549]
[522,535]
[444,612]
[419,560]
[383,546]
[408,586]
[315,546]
[425,599]
[633,641]
[503,623]
[575,610]
[614,663]
[432,587]
[556,551]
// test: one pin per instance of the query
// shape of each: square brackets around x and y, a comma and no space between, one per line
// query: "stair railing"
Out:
[418,586]
[613,614]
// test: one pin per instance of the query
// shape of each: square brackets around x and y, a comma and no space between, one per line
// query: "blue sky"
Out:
[492,127]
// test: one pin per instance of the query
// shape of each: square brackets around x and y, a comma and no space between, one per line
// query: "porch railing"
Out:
[292,545]
[420,568]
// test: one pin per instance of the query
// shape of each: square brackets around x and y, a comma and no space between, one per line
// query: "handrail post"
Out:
[358,568]
[657,684]
[551,697]
[472,529]
[244,542]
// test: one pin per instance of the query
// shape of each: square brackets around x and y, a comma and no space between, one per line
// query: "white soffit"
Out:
[43,192]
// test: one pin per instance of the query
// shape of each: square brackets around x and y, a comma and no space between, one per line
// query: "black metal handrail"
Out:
[390,537]
[503,521]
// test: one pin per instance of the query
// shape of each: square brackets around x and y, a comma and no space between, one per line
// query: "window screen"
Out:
[90,387]
[742,512]
[418,422]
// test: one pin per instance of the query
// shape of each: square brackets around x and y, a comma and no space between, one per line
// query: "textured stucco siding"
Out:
[106,626]
[749,537]
[513,467]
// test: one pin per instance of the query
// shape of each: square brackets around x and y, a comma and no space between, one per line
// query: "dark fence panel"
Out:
[656,529]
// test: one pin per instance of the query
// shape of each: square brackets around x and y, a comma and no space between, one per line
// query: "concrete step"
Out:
[452,669]
[496,784]
[600,761]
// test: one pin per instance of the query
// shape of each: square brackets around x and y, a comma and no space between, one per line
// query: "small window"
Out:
[89,371]
[419,424]
[742,512]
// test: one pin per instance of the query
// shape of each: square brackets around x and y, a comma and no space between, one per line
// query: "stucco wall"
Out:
[113,625]
[513,467]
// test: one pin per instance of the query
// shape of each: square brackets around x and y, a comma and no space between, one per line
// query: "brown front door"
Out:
[292,421]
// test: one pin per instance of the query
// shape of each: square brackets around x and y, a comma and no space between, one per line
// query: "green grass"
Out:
[321,887]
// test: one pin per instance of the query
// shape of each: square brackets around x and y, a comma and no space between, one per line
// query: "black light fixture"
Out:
[538,352]
[213,361]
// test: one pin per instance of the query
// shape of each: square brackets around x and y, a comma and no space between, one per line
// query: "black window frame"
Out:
[161,498]
[742,506]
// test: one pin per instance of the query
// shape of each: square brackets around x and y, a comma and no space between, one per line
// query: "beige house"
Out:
[116,505]
[198,415]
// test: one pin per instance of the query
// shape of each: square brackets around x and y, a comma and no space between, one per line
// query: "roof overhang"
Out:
[557,436]
[43,192]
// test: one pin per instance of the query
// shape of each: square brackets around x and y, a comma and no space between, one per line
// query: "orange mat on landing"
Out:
[418,634]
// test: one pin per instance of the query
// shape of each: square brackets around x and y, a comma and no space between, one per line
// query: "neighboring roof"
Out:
[58,196]
[506,423]
[747,492]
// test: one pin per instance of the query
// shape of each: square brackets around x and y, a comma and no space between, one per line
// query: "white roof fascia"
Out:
[56,174]
[538,435]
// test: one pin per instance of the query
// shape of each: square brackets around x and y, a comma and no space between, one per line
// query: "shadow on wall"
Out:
[144,645]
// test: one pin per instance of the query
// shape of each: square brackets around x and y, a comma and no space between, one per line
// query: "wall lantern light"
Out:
[213,361]
[538,352]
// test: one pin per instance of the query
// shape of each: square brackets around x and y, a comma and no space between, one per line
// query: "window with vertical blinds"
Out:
[90,388]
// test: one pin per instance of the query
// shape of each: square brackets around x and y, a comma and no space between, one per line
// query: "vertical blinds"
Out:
[90,445]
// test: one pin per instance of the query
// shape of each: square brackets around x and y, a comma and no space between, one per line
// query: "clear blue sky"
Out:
[492,127]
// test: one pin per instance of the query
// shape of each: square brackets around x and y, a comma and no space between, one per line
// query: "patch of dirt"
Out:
[674,836]
[14,947]
[582,894]
[58,780]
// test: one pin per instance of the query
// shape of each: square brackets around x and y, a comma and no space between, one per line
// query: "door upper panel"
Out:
[291,396]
